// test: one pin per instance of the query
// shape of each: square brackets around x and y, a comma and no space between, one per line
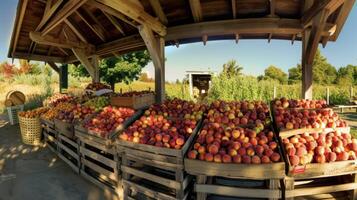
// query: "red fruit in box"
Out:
[242,151]
[217,158]
[273,145]
[237,159]
[294,160]
[320,150]
[246,159]
[227,158]
[213,149]
[275,157]
[342,156]
[256,159]
[192,154]
[332,157]
[201,156]
[250,151]
[320,158]
[209,157]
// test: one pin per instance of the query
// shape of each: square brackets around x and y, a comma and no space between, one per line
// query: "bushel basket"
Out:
[30,130]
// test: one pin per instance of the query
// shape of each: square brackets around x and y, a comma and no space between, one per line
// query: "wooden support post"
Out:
[156,48]
[95,63]
[83,58]
[63,78]
[306,70]
[54,67]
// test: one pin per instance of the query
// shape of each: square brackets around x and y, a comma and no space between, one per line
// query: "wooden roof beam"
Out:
[49,11]
[69,8]
[317,7]
[58,42]
[342,17]
[234,8]
[205,39]
[115,23]
[196,10]
[18,23]
[155,4]
[272,8]
[98,25]
[111,11]
[83,58]
[237,38]
[96,30]
[75,30]
[137,13]
[38,57]
[53,66]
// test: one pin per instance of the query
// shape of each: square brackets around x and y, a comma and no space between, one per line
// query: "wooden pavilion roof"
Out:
[49,30]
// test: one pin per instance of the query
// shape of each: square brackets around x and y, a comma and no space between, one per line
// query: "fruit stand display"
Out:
[135,100]
[318,149]
[153,149]
[236,153]
[98,89]
[100,161]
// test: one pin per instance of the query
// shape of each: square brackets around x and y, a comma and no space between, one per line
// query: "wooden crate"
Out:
[100,164]
[68,151]
[51,139]
[319,180]
[233,180]
[155,172]
[135,102]
[64,128]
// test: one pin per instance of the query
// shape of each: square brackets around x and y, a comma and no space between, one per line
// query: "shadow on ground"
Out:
[28,172]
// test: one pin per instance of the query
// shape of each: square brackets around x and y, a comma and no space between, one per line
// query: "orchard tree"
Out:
[347,75]
[126,68]
[274,73]
[231,68]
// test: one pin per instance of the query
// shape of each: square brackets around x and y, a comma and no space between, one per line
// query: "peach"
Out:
[294,140]
[213,149]
[166,138]
[253,141]
[232,152]
[304,159]
[217,158]
[275,157]
[320,150]
[196,145]
[256,159]
[250,151]
[158,137]
[227,158]
[259,150]
[180,141]
[192,154]
[201,149]
[236,145]
[209,157]
[294,160]
[246,159]
[237,159]
[320,158]
[273,145]
[263,140]
[268,152]
[289,125]
[332,157]
[201,156]
[242,151]
[291,151]
[235,134]
[209,139]
[247,145]
[352,155]
[265,159]
[342,156]
[301,151]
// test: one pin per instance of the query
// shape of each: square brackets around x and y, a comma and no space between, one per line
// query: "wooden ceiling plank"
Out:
[69,8]
[18,23]
[49,11]
[111,11]
[136,13]
[50,50]
[96,21]
[57,42]
[234,8]
[155,4]
[38,57]
[272,5]
[98,33]
[75,30]
[115,23]
[342,17]
[317,7]
[196,10]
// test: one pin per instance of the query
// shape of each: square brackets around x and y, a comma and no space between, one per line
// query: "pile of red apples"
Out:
[320,148]
[299,103]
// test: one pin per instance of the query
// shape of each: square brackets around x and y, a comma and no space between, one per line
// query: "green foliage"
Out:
[77,71]
[295,74]
[347,75]
[144,77]
[28,79]
[274,73]
[231,68]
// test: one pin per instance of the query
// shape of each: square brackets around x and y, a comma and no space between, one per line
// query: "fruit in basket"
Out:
[320,148]
[54,100]
[53,112]
[241,113]
[295,119]
[97,103]
[108,120]
[33,113]
[97,86]
[299,103]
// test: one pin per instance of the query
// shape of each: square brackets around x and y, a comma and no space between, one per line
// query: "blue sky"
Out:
[253,55]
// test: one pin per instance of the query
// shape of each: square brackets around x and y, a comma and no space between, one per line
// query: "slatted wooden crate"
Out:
[319,179]
[64,128]
[136,102]
[51,139]
[155,172]
[68,151]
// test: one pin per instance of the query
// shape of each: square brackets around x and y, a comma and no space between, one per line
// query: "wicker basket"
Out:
[30,130]
[12,112]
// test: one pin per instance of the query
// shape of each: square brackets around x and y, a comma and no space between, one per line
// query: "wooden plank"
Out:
[234,8]
[248,171]
[98,157]
[85,138]
[151,177]
[196,10]
[99,169]
[97,182]
[74,144]
[75,30]
[49,11]
[68,150]
[83,58]
[154,163]
[153,156]
[58,42]
[238,192]
[20,13]
[342,17]
[148,192]
[68,9]
[96,30]
[155,4]
[53,66]
[38,57]
[115,23]
[320,190]
[288,133]
[74,167]
[317,8]
[137,13]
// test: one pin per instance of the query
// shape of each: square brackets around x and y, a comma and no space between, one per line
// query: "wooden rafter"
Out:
[111,11]
[53,66]
[237,38]
[155,4]
[269,37]
[83,58]
[196,10]
[317,7]
[234,8]
[58,42]
[293,39]
[18,23]
[137,13]
[37,57]
[68,9]
[114,22]
[75,30]
[99,33]
[342,17]
[205,39]
[272,8]
[98,25]
[49,11]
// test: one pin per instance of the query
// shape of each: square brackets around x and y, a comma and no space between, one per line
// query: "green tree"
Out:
[323,71]
[126,68]
[231,68]
[274,73]
[347,75]
[144,77]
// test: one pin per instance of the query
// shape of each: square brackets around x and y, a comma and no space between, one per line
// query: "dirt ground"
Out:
[28,172]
